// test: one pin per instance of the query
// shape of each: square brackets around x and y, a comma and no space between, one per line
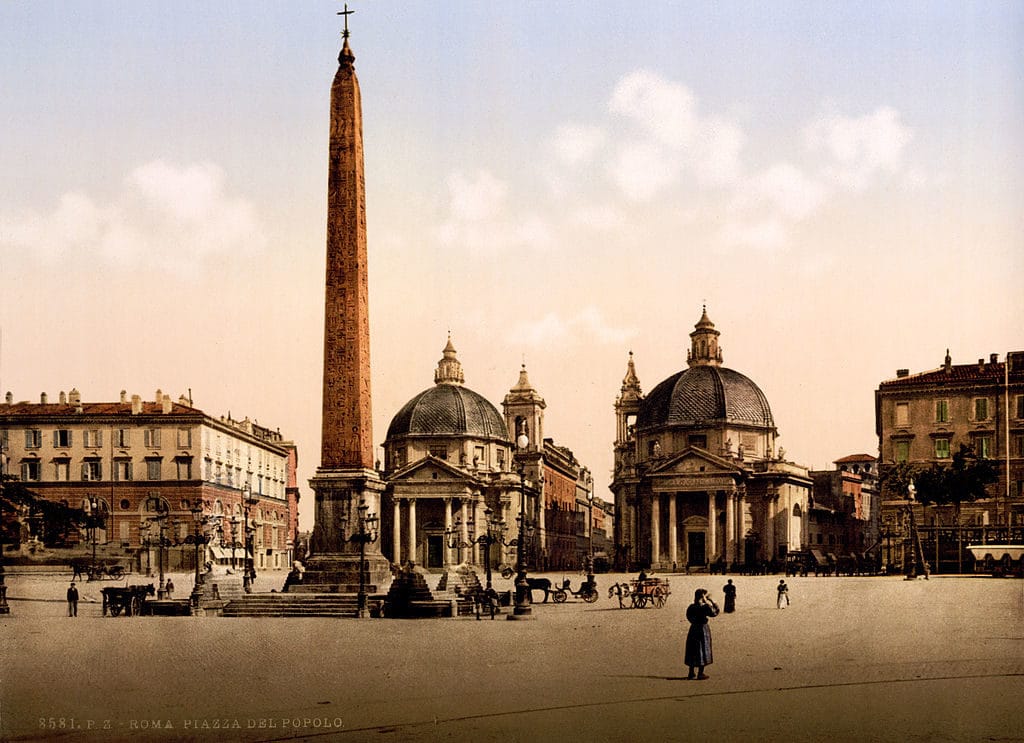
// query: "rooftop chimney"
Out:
[993,358]
[981,364]
[159,396]
[948,364]
[902,373]
[10,398]
[63,398]
[136,404]
[74,397]
[43,399]
[124,396]
[165,404]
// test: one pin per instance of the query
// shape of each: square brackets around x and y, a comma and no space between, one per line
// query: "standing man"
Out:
[783,590]
[72,600]
[730,597]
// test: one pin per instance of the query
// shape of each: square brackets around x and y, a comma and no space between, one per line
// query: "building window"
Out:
[122,437]
[981,409]
[901,451]
[62,437]
[184,468]
[123,470]
[983,447]
[501,459]
[93,438]
[942,448]
[151,438]
[92,470]
[942,411]
[902,414]
[184,438]
[478,456]
[440,452]
[1020,406]
[1018,446]
[701,442]
[33,438]
[31,471]
[62,469]
[153,468]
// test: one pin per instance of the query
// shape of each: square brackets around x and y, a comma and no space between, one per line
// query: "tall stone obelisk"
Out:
[346,477]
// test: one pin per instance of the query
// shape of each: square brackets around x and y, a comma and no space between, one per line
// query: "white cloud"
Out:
[670,138]
[767,235]
[166,217]
[576,144]
[586,326]
[862,147]
[479,221]
[785,188]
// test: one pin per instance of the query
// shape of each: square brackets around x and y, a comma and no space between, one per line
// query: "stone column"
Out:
[673,534]
[478,523]
[448,530]
[412,530]
[730,527]
[464,530]
[712,529]
[655,536]
[397,533]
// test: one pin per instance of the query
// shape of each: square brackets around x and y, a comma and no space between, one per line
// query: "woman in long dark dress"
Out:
[730,597]
[698,639]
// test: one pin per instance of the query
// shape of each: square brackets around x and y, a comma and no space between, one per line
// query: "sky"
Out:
[555,184]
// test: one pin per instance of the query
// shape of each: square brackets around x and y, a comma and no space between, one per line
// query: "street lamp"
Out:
[234,521]
[249,571]
[4,608]
[162,513]
[144,528]
[590,529]
[367,534]
[522,609]
[198,540]
[493,532]
[93,522]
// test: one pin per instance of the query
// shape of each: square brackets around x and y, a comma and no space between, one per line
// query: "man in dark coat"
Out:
[72,600]
[698,638]
[730,597]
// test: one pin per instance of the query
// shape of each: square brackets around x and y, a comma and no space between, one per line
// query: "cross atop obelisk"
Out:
[345,13]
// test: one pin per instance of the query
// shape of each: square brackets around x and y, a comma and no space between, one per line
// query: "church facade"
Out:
[454,474]
[697,480]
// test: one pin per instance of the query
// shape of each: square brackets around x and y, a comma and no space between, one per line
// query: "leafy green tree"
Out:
[964,480]
[21,510]
[895,479]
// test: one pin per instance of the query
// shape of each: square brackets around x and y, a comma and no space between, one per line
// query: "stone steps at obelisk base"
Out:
[292,605]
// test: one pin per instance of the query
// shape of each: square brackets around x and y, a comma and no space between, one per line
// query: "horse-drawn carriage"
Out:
[640,593]
[128,599]
[83,567]
[587,592]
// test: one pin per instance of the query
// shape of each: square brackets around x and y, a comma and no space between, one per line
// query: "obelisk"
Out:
[346,477]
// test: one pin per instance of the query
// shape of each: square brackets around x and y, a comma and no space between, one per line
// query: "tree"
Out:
[896,478]
[968,478]
[23,510]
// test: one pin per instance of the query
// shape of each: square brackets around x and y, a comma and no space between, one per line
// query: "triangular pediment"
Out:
[697,462]
[431,469]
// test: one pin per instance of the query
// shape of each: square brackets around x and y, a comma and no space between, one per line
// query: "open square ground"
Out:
[851,659]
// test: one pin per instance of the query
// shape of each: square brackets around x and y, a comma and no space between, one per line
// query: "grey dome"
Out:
[451,410]
[704,394]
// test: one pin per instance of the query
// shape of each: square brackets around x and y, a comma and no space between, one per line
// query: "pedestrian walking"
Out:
[783,590]
[697,654]
[169,588]
[72,600]
[730,597]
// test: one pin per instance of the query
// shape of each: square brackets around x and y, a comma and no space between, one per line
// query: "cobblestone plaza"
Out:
[850,659]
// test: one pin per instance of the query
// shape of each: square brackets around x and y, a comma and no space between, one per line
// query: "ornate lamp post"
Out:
[199,540]
[4,608]
[95,513]
[522,609]
[161,518]
[493,532]
[367,534]
[249,571]
[144,529]
[234,521]
[590,528]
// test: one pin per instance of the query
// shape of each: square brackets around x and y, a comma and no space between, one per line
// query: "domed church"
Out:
[450,466]
[697,480]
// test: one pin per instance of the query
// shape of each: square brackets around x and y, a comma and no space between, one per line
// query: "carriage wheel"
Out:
[639,600]
[136,606]
[116,572]
[658,597]
[559,596]
[590,597]
[506,572]
[115,610]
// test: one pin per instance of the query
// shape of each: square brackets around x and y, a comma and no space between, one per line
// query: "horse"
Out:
[620,590]
[539,584]
[80,567]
